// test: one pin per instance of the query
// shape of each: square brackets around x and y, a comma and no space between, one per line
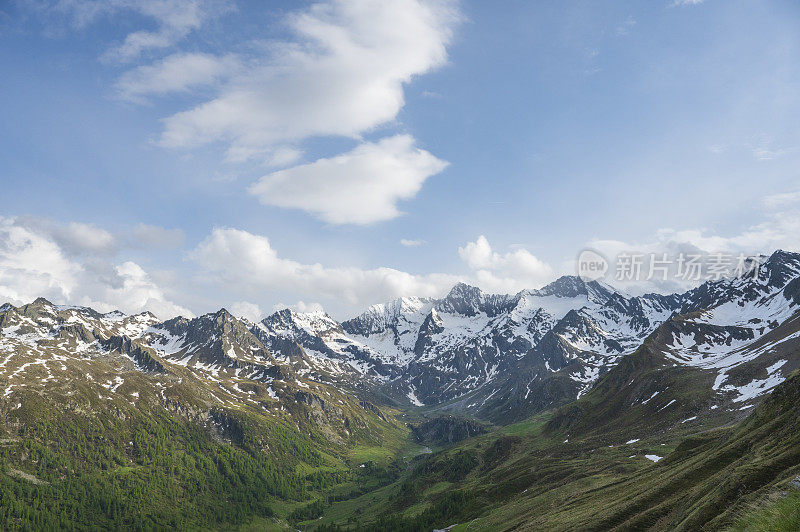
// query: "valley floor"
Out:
[528,477]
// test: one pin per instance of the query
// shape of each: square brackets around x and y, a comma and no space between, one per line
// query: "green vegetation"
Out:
[529,476]
[150,469]
[781,515]
[144,470]
[144,473]
[144,467]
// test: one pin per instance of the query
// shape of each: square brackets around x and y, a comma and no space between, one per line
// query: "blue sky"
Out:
[182,155]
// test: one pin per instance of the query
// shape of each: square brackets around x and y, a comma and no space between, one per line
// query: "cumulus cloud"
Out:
[245,262]
[411,243]
[74,238]
[504,272]
[300,306]
[779,231]
[247,310]
[240,262]
[341,74]
[34,263]
[782,199]
[359,187]
[153,236]
[174,20]
[175,73]
[84,238]
[779,228]
[228,263]
[132,291]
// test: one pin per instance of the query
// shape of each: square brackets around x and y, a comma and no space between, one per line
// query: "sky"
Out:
[179,156]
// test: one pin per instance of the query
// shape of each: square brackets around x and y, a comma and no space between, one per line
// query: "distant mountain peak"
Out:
[780,267]
[282,314]
[783,255]
[396,306]
[565,286]
[573,286]
[289,319]
[377,318]
[223,313]
[463,299]
[464,290]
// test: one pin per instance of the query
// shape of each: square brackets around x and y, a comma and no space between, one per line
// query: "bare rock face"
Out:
[446,430]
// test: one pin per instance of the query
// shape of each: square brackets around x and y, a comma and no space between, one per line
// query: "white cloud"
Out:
[153,236]
[174,19]
[34,263]
[768,153]
[360,187]
[508,272]
[84,238]
[74,238]
[781,200]
[244,262]
[247,310]
[779,228]
[280,156]
[175,73]
[341,72]
[341,75]
[409,243]
[232,264]
[133,290]
[300,306]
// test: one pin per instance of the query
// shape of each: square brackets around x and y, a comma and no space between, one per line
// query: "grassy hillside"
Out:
[528,476]
[72,464]
[83,460]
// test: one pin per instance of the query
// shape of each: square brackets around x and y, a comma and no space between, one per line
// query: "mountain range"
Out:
[504,357]
[329,406]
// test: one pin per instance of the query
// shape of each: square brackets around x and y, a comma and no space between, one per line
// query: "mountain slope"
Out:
[193,419]
[525,478]
[709,363]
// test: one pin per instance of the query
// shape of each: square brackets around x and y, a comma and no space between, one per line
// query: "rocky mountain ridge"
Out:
[500,357]
[86,360]
[489,354]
